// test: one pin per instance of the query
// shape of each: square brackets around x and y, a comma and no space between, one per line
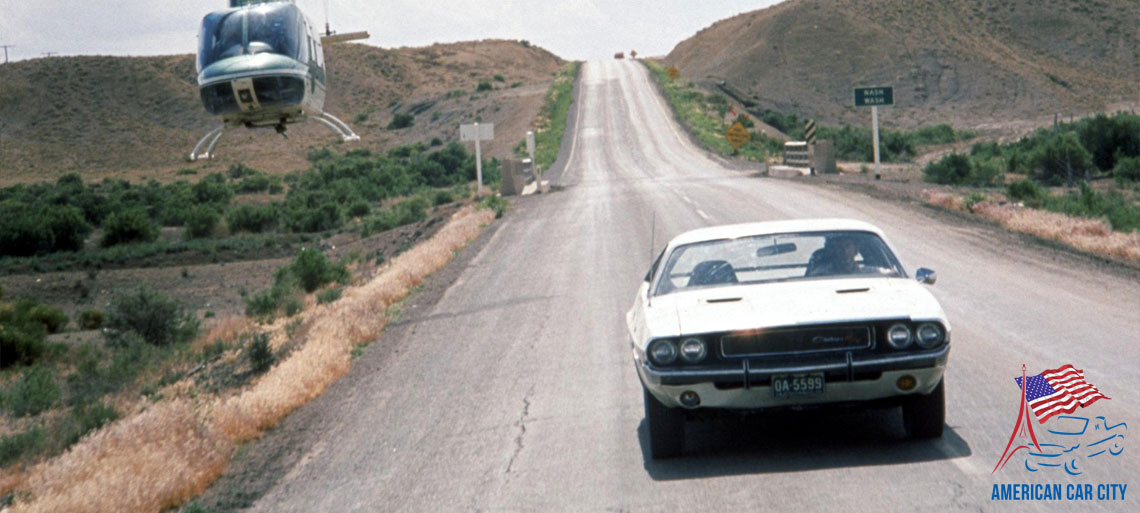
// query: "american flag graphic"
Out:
[1058,391]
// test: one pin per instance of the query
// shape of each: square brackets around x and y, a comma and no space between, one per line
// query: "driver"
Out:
[836,257]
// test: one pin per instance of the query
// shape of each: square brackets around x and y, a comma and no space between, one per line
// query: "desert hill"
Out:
[140,116]
[966,62]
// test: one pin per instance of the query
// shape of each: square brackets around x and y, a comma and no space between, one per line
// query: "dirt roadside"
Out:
[259,465]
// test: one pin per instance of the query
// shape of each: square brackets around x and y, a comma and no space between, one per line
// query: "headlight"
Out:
[928,335]
[898,336]
[662,352]
[693,350]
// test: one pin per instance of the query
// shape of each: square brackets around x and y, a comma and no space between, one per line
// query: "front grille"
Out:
[796,340]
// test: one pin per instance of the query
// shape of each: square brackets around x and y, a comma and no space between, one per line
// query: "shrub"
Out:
[320,154]
[21,233]
[263,304]
[1109,138]
[253,184]
[401,121]
[953,169]
[91,319]
[1061,159]
[311,219]
[99,372]
[483,86]
[987,173]
[328,296]
[251,218]
[442,198]
[28,312]
[359,208]
[68,227]
[201,222]
[27,229]
[213,190]
[292,305]
[14,447]
[406,212]
[86,418]
[260,353]
[126,226]
[240,170]
[1127,169]
[499,78]
[23,326]
[20,344]
[156,318]
[313,270]
[1026,191]
[499,205]
[34,392]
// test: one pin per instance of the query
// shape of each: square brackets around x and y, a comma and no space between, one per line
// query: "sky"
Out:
[572,29]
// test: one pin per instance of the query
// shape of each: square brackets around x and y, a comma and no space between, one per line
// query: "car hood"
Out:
[803,302]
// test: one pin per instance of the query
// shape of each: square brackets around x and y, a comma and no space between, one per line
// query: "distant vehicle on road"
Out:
[765,316]
[619,55]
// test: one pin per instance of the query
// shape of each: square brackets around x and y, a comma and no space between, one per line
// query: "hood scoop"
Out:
[723,300]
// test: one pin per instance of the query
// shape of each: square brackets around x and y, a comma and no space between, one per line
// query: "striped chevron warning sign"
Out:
[809,131]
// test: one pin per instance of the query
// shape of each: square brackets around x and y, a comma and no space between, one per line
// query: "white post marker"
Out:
[530,150]
[476,132]
[875,134]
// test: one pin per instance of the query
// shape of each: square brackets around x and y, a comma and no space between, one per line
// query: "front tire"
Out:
[666,428]
[924,415]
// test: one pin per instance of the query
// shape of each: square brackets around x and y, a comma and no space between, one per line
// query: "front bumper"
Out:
[749,386]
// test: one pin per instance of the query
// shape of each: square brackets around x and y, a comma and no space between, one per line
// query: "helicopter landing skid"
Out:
[340,127]
[215,134]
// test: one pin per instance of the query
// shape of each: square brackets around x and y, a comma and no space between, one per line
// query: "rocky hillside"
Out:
[971,63]
[141,116]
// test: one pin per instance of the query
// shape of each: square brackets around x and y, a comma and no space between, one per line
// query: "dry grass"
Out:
[1091,235]
[944,199]
[171,452]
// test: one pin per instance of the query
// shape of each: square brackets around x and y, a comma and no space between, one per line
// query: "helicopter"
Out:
[261,64]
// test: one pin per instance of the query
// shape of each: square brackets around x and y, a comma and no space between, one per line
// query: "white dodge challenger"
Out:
[786,314]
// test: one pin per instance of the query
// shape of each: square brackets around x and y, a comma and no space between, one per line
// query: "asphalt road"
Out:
[516,392]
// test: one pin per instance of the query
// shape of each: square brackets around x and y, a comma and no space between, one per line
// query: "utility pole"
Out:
[6,47]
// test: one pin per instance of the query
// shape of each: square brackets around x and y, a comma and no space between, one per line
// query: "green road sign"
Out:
[874,96]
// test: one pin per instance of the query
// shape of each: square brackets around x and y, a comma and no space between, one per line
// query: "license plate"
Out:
[784,385]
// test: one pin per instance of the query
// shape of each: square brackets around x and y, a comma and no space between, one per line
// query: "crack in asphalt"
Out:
[521,423]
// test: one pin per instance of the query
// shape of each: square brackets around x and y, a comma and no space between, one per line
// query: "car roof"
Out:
[735,231]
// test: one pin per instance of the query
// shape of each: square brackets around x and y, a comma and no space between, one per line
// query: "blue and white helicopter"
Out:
[261,64]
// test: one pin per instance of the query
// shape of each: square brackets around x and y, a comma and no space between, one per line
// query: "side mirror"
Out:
[926,276]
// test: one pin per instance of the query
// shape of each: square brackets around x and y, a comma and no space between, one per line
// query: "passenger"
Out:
[836,257]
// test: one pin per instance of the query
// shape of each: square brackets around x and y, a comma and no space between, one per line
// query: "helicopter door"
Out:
[245,95]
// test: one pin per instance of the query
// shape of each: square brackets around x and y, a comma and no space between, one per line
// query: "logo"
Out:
[1068,444]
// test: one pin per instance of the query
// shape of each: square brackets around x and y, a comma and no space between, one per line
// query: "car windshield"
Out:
[777,257]
[274,28]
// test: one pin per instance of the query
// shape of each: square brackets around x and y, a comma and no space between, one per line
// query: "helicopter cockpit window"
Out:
[250,31]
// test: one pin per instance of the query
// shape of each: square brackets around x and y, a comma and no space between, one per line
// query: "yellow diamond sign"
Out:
[737,135]
[673,72]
